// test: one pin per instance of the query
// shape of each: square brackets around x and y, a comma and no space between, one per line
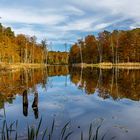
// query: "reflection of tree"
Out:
[80,84]
[104,94]
[57,70]
[121,84]
[88,79]
[35,104]
[129,84]
[25,103]
[99,83]
[12,83]
[113,82]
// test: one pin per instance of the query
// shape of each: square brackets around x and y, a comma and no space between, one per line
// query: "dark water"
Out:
[109,98]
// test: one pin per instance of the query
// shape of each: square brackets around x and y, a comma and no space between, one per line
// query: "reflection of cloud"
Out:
[50,105]
[68,20]
[54,89]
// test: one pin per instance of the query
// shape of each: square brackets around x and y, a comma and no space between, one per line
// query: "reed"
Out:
[10,132]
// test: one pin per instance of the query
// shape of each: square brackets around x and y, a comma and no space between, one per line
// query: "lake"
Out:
[109,99]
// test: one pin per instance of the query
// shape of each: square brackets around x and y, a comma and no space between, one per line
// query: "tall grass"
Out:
[10,132]
[93,134]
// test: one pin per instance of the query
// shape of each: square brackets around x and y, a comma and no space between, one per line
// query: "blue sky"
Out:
[63,21]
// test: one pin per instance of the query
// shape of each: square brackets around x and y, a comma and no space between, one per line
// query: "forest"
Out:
[57,58]
[25,49]
[115,47]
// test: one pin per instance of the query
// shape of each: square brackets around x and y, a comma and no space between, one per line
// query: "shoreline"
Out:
[110,65]
[16,66]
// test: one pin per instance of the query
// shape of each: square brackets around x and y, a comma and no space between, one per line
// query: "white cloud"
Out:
[65,19]
[101,26]
[73,10]
[30,17]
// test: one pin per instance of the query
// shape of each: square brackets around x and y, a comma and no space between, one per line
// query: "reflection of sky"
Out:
[69,103]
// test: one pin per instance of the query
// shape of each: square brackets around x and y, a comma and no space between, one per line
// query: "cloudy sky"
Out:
[63,21]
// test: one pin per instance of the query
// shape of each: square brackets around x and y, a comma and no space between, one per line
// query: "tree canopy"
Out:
[115,47]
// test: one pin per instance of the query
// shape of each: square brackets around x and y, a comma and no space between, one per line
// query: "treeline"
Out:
[20,48]
[25,49]
[115,47]
[56,58]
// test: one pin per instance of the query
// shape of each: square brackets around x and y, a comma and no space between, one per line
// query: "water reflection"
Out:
[35,105]
[115,83]
[72,93]
[18,82]
[25,103]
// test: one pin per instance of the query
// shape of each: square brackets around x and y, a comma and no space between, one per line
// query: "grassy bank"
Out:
[104,65]
[110,65]
[15,66]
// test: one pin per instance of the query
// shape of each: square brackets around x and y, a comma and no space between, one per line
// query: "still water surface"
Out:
[109,98]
